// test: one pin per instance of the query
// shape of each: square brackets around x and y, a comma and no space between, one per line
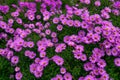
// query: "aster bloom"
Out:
[70,23]
[79,48]
[40,68]
[77,23]
[53,34]
[93,59]
[19,20]
[18,76]
[54,40]
[101,63]
[41,48]
[77,55]
[108,52]
[81,33]
[89,77]
[44,62]
[116,4]
[59,27]
[15,14]
[38,17]
[117,61]
[89,66]
[31,17]
[17,69]
[114,52]
[30,44]
[96,71]
[97,3]
[32,55]
[83,57]
[101,71]
[48,32]
[11,21]
[118,47]
[33,67]
[4,9]
[42,54]
[56,20]
[37,60]
[15,59]
[31,26]
[96,37]
[67,76]
[77,12]
[62,70]
[104,77]
[59,77]
[38,74]
[58,60]
[84,25]
[98,30]
[116,12]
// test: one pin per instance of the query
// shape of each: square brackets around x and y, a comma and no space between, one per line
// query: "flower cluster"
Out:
[93,27]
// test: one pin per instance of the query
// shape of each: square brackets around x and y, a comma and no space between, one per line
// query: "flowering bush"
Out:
[60,40]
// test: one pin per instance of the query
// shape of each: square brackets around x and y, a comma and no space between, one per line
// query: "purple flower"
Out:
[33,68]
[79,48]
[77,55]
[117,62]
[67,76]
[84,25]
[5,9]
[32,55]
[30,44]
[105,76]
[56,20]
[116,4]
[59,77]
[77,23]
[89,77]
[58,60]
[59,27]
[114,52]
[101,71]
[48,32]
[118,47]
[93,59]
[96,37]
[53,34]
[19,20]
[40,68]
[78,12]
[101,63]
[62,70]
[38,74]
[89,66]
[70,23]
[44,62]
[15,59]
[81,78]
[83,57]
[42,54]
[18,76]
[31,17]
[17,69]
[37,60]
[98,30]
[97,3]
[116,12]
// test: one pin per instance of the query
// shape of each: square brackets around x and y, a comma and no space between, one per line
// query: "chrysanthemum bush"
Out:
[43,36]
